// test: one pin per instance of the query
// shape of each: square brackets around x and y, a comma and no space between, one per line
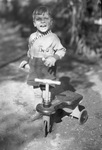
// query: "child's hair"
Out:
[41,10]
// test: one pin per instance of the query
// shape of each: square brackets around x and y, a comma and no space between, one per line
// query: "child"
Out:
[45,49]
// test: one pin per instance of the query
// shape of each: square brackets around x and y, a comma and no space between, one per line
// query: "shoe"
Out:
[36,116]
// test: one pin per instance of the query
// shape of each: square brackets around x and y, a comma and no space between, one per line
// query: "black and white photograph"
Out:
[50,74]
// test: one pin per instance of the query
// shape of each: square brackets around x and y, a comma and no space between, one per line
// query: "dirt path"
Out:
[17,105]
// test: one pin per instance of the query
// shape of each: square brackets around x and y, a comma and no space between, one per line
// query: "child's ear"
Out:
[51,22]
[34,23]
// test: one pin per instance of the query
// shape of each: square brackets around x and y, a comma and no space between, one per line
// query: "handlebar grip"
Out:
[47,81]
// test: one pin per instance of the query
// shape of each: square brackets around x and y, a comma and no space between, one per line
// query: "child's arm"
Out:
[58,52]
[51,60]
[25,63]
[59,49]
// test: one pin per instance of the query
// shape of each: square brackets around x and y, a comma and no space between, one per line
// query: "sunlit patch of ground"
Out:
[16,107]
[55,143]
[96,78]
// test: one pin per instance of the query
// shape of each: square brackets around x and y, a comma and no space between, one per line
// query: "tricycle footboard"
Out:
[65,105]
[67,99]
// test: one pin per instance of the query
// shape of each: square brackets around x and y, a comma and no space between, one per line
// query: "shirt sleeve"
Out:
[30,43]
[58,48]
[31,40]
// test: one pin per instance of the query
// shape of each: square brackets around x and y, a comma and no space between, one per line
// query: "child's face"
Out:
[43,22]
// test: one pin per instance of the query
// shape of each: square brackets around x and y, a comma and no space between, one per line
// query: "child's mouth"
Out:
[43,26]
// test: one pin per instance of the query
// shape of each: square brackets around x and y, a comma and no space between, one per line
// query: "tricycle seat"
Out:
[67,99]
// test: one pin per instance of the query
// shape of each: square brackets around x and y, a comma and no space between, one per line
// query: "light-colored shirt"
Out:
[45,45]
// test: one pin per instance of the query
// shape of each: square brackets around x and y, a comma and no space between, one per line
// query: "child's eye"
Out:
[46,18]
[38,19]
[41,19]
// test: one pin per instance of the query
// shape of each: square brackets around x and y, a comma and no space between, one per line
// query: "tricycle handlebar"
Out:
[47,81]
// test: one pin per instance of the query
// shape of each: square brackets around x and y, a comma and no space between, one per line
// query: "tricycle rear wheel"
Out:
[83,117]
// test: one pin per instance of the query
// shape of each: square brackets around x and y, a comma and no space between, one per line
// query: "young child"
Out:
[45,49]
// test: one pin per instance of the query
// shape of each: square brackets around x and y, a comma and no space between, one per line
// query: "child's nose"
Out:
[43,20]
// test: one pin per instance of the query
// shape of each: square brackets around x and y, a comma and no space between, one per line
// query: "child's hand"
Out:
[24,65]
[50,61]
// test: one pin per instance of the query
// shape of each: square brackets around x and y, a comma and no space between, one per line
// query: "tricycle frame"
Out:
[47,107]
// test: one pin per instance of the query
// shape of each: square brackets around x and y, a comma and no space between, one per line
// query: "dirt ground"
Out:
[17,104]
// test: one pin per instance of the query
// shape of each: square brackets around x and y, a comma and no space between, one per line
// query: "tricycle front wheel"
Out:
[46,125]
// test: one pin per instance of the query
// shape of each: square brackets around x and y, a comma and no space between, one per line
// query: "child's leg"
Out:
[37,100]
[37,96]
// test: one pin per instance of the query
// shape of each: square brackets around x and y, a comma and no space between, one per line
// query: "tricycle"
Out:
[68,101]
